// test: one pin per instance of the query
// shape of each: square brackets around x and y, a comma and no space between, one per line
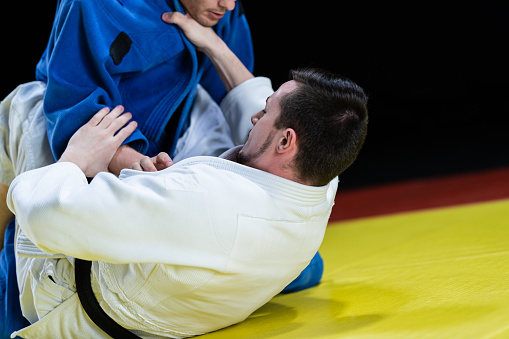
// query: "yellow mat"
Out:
[440,273]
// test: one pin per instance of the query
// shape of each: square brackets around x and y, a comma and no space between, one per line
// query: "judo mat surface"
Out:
[439,272]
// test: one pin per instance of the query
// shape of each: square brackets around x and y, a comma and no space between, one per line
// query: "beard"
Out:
[246,159]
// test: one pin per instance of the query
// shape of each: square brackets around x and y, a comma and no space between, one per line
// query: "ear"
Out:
[287,142]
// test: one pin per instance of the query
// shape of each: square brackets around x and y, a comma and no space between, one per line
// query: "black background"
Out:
[436,74]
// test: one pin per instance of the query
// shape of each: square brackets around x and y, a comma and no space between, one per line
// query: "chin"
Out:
[206,21]
[232,153]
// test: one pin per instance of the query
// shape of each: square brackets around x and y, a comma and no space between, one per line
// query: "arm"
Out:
[234,30]
[114,220]
[245,98]
[230,69]
[77,90]
[125,157]
[93,146]
[130,220]
[88,152]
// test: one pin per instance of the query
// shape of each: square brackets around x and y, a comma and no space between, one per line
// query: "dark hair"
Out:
[329,115]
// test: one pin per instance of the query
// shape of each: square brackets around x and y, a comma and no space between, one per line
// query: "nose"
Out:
[228,4]
[255,117]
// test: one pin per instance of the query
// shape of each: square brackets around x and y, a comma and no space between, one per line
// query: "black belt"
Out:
[91,305]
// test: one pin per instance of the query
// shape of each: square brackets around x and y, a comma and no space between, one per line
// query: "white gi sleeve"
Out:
[242,102]
[143,218]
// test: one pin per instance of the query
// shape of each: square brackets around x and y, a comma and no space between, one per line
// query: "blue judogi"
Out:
[11,318]
[110,52]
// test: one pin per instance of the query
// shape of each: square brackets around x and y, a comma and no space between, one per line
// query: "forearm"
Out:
[125,157]
[230,69]
[113,220]
[60,212]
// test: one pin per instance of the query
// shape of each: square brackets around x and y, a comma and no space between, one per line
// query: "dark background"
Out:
[436,74]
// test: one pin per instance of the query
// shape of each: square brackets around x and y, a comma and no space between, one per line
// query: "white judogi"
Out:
[179,252]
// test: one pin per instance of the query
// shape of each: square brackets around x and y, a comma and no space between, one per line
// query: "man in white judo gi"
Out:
[183,249]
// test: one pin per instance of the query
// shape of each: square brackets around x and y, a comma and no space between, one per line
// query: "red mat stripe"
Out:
[421,194]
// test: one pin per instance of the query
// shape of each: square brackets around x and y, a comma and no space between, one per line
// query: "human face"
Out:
[264,136]
[207,12]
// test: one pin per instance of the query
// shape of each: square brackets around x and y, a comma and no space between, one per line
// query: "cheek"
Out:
[255,133]
[249,140]
[193,9]
[252,140]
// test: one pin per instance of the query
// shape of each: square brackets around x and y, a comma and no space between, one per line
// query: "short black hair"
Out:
[330,116]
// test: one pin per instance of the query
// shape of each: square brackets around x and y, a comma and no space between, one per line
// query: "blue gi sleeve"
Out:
[78,69]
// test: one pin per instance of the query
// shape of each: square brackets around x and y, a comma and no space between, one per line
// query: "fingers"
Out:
[98,117]
[185,22]
[157,163]
[109,118]
[167,17]
[173,18]
[147,165]
[125,132]
[105,116]
[162,161]
[136,166]
[113,121]
[118,122]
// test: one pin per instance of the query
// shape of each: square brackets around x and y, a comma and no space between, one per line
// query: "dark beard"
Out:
[245,159]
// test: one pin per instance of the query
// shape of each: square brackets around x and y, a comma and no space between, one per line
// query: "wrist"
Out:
[125,157]
[67,156]
[215,47]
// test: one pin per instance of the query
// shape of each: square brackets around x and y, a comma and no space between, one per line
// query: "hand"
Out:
[125,157]
[92,147]
[202,37]
[230,69]
[157,163]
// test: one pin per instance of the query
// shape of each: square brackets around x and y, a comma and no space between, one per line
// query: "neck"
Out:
[286,171]
[289,174]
